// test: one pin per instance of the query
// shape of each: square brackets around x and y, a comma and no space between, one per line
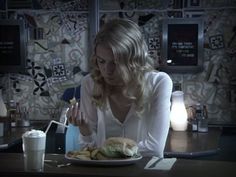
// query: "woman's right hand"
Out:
[77,118]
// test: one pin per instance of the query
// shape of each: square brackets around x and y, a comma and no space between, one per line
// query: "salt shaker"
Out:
[203,122]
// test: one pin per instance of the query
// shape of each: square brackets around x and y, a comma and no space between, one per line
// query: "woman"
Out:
[123,96]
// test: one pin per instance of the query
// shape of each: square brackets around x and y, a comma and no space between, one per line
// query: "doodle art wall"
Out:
[57,56]
[58,52]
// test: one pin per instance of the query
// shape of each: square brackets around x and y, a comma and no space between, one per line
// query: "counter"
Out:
[188,144]
[12,165]
[182,144]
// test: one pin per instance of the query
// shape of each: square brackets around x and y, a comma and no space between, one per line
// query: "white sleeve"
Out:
[89,111]
[159,118]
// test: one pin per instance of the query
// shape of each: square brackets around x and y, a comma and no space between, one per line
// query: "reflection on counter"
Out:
[188,144]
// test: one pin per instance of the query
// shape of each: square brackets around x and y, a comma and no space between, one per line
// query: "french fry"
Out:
[83,157]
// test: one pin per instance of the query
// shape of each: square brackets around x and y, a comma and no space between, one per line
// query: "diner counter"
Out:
[182,144]
[188,144]
[12,164]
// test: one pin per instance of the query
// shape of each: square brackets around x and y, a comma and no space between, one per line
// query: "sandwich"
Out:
[116,148]
[113,148]
[119,147]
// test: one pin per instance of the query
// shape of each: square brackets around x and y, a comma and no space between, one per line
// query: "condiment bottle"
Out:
[3,108]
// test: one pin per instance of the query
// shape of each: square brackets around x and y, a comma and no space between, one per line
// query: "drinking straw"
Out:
[53,121]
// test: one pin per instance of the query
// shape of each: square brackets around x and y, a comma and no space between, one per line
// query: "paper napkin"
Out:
[160,163]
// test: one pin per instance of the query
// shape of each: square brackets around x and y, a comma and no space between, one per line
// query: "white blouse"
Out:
[149,130]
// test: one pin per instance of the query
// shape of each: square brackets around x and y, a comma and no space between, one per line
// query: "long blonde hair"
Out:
[130,52]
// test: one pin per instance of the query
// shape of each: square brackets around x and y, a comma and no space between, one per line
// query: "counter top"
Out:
[192,144]
[12,165]
[184,144]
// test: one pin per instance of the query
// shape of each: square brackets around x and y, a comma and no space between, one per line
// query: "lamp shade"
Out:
[178,113]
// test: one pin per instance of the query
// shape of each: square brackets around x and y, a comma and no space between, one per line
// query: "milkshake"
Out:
[34,142]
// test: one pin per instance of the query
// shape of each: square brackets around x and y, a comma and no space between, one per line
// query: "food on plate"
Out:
[119,147]
[80,154]
[113,148]
[73,101]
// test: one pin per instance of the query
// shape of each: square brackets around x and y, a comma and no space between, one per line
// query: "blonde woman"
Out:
[123,96]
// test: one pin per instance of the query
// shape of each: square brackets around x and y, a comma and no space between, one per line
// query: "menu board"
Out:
[10,45]
[183,44]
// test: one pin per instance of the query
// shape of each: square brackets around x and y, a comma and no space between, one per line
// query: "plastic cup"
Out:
[33,145]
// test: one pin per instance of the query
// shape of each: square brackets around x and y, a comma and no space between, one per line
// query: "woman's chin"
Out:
[112,82]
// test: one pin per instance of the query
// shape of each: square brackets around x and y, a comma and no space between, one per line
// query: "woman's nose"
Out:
[110,68]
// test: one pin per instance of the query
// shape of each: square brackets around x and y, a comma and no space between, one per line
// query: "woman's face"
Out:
[107,65]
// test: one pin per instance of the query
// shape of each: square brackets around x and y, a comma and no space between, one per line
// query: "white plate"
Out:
[114,162]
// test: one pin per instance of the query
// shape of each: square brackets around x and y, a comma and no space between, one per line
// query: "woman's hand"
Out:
[77,118]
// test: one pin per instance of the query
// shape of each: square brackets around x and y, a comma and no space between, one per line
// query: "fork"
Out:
[63,165]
